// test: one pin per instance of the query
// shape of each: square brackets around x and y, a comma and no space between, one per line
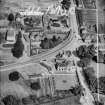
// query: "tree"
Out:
[1,103]
[68,53]
[10,17]
[2,63]
[54,39]
[14,76]
[100,58]
[77,90]
[2,38]
[101,3]
[18,48]
[86,52]
[47,43]
[83,62]
[102,85]
[95,59]
[98,103]
[10,100]
[77,2]
[81,51]
[35,86]
[90,78]
[91,51]
[34,98]
[65,4]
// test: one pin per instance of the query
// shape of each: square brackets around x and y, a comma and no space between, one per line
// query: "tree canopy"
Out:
[102,85]
[10,17]
[90,78]
[14,76]
[50,43]
[86,52]
[83,62]
[18,48]
[35,86]
[10,100]
[66,4]
[27,100]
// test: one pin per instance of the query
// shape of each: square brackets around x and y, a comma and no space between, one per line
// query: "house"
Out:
[67,66]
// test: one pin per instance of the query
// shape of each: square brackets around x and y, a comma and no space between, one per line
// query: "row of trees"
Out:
[86,54]
[50,43]
[14,100]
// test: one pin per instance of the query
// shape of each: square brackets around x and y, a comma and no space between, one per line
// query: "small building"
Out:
[10,36]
